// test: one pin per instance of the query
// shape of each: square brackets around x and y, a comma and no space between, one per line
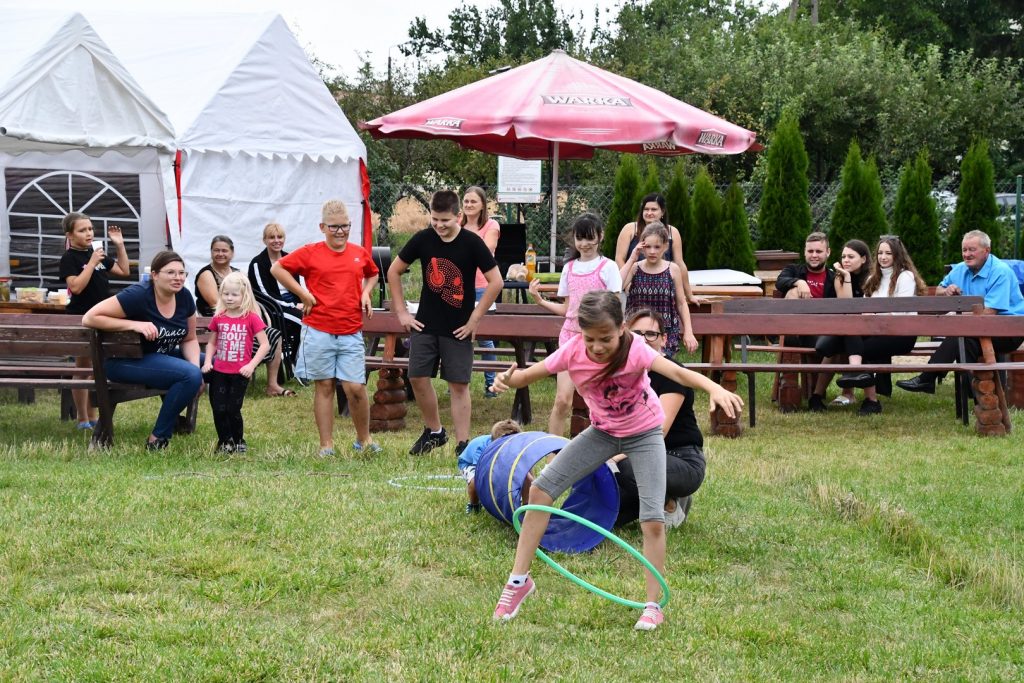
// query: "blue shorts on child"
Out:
[331,356]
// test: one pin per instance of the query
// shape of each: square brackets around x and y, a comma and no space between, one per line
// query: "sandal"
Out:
[841,400]
[284,392]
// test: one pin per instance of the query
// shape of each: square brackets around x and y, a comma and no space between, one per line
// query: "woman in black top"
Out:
[851,272]
[684,444]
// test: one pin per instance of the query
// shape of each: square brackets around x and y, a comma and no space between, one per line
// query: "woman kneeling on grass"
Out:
[608,364]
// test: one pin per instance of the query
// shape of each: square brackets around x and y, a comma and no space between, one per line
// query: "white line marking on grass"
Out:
[397,482]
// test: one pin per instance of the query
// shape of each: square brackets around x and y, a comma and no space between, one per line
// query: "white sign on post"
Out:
[518,181]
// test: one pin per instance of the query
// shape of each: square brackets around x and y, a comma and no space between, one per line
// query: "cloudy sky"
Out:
[336,32]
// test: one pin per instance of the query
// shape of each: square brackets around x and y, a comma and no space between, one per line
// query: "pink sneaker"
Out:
[650,619]
[512,599]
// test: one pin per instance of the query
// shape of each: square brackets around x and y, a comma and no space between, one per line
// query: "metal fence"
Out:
[598,198]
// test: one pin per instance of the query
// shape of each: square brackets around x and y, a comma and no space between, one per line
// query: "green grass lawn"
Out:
[821,547]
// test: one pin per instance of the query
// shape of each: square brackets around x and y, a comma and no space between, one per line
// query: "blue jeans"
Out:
[180,378]
[487,344]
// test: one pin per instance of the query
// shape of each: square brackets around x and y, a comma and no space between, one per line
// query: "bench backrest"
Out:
[492,326]
[902,304]
[43,341]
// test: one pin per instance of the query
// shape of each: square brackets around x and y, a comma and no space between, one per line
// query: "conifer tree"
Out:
[707,212]
[784,218]
[651,184]
[679,206]
[975,203]
[858,212]
[627,181]
[915,219]
[731,246]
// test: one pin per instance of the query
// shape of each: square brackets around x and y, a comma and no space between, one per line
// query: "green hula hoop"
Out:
[582,583]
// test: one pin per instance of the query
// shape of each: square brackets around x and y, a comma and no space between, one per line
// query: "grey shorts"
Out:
[455,356]
[588,451]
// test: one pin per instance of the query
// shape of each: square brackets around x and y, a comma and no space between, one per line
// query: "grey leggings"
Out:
[593,447]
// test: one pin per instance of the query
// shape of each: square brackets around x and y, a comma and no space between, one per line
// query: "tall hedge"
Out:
[858,212]
[623,210]
[975,203]
[707,213]
[916,220]
[731,246]
[679,207]
[784,219]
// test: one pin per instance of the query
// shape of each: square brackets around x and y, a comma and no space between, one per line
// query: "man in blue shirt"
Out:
[981,274]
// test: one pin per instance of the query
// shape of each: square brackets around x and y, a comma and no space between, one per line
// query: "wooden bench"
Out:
[780,317]
[54,341]
[524,332]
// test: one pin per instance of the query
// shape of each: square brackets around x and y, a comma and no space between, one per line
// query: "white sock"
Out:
[653,605]
[439,430]
[517,579]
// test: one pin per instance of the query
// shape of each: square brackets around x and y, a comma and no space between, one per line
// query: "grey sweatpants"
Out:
[591,448]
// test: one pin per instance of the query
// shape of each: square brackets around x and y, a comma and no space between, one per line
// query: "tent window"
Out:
[38,199]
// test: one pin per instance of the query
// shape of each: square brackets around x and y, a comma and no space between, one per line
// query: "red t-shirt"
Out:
[335,278]
[816,283]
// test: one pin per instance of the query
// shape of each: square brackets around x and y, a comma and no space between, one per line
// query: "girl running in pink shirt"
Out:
[608,364]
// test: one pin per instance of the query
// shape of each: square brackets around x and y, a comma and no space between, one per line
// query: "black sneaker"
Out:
[158,445]
[869,407]
[473,508]
[428,441]
[461,446]
[816,404]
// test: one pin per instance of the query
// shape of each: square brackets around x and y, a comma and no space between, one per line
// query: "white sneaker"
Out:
[678,516]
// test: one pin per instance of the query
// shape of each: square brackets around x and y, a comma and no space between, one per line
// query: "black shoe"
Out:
[856,380]
[241,447]
[816,404]
[490,394]
[869,407]
[461,446]
[473,508]
[917,384]
[428,441]
[224,447]
[158,445]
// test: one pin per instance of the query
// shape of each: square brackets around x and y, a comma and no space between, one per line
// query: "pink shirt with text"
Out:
[234,341]
[622,405]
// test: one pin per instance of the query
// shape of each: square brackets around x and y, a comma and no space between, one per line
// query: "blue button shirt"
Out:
[995,281]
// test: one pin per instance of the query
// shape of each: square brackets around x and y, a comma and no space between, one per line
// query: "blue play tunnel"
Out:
[500,474]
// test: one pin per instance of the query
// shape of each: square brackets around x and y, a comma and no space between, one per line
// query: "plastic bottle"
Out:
[531,262]
[146,275]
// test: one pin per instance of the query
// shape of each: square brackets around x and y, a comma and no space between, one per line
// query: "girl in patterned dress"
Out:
[586,272]
[654,283]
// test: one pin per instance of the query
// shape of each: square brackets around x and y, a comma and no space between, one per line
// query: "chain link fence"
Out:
[573,200]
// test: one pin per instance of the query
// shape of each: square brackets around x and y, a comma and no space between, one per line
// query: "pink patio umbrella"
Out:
[559,107]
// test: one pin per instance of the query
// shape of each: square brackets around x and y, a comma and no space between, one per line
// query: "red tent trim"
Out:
[364,181]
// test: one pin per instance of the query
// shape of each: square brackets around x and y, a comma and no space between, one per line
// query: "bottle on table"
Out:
[531,262]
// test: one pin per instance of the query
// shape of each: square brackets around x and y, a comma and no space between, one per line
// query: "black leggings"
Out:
[684,473]
[226,395]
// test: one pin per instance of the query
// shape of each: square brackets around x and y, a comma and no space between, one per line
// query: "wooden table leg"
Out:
[722,424]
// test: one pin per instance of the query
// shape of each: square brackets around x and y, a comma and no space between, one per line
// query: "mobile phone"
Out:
[97,245]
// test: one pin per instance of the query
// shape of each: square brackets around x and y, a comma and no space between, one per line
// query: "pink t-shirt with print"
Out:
[234,341]
[622,405]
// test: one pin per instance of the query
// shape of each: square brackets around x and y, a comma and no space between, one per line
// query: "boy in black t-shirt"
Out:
[446,319]
[86,272]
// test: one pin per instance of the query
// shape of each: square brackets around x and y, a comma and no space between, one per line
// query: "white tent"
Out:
[183,127]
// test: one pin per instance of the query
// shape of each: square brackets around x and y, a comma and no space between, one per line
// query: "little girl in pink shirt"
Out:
[229,359]
[588,271]
[608,364]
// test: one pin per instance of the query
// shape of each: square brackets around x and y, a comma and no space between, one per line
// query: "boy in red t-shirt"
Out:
[339,278]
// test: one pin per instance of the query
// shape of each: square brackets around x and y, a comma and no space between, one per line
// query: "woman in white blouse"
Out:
[892,274]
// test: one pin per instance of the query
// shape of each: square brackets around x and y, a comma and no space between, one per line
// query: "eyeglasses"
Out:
[175,273]
[340,227]
[650,335]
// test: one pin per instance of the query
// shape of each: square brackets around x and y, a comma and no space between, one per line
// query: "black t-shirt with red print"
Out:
[449,269]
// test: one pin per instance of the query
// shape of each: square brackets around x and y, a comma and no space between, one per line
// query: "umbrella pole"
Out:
[554,210]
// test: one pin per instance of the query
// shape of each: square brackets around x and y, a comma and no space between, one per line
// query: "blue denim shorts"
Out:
[331,356]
